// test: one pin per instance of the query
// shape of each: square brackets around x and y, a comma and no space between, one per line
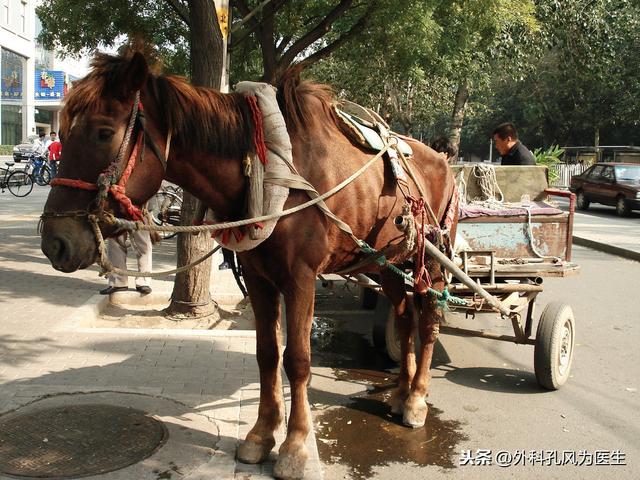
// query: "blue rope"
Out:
[443,298]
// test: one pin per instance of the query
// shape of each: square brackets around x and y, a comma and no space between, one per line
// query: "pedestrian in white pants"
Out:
[117,247]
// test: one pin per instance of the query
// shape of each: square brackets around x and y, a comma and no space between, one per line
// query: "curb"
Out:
[607,248]
[91,309]
[170,332]
[97,304]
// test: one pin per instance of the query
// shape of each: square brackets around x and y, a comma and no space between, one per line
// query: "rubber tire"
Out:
[549,339]
[381,316]
[385,338]
[581,201]
[622,208]
[175,203]
[20,183]
[44,176]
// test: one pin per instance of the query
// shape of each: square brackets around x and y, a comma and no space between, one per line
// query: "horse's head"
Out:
[102,133]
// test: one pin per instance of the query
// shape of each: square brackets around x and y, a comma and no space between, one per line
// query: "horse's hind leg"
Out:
[299,297]
[394,289]
[265,300]
[415,407]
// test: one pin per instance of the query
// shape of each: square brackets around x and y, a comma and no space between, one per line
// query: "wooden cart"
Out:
[501,271]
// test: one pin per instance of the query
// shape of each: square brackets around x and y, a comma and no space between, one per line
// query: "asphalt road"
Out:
[484,398]
[484,395]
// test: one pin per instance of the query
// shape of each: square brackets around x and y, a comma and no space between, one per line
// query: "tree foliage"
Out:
[581,81]
[74,27]
[560,70]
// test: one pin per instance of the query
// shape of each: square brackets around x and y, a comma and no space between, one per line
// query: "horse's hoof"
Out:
[396,402]
[415,412]
[290,465]
[252,452]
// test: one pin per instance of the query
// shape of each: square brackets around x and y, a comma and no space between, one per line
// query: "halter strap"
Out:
[111,180]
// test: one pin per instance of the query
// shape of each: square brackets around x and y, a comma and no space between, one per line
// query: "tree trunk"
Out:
[462,95]
[190,297]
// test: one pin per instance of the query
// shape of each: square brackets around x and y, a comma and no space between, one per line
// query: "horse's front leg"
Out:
[415,407]
[299,297]
[265,300]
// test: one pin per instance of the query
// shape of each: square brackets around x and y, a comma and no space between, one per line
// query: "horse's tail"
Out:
[294,95]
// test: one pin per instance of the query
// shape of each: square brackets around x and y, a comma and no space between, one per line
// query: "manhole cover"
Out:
[76,441]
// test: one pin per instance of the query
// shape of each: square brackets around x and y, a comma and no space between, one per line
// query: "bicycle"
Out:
[39,169]
[165,207]
[19,182]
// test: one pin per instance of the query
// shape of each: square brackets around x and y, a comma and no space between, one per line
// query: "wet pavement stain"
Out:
[363,434]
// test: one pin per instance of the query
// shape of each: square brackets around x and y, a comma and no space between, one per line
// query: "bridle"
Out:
[113,179]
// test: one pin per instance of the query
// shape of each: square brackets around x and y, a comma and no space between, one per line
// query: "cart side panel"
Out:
[509,237]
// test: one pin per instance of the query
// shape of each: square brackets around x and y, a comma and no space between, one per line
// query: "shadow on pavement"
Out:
[495,379]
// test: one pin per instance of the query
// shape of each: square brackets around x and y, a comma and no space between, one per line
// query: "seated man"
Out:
[512,151]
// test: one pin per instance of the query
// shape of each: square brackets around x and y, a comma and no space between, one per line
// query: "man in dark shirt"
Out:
[512,151]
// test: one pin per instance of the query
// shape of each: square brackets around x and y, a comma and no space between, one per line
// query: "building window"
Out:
[23,16]
[12,98]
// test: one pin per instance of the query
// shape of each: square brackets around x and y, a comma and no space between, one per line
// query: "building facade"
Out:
[33,81]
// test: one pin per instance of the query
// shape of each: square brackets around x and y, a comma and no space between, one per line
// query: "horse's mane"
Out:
[201,118]
[296,98]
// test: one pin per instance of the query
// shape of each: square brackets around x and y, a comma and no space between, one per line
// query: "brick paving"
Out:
[42,354]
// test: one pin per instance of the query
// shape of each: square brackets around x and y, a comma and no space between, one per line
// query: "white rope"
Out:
[488,183]
[132,225]
[108,268]
[490,190]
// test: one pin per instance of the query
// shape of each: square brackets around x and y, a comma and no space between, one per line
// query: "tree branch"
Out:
[316,33]
[345,37]
[180,10]
[284,41]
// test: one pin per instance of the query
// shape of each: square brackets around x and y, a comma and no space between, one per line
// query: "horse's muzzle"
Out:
[68,245]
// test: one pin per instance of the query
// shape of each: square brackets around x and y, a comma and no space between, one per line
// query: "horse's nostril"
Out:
[56,250]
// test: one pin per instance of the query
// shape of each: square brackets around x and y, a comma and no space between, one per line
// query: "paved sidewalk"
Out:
[204,383]
[601,229]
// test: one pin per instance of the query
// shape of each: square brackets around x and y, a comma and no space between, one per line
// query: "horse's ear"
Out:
[136,73]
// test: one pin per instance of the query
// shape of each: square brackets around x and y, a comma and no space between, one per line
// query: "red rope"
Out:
[131,162]
[258,131]
[68,182]
[422,280]
[117,191]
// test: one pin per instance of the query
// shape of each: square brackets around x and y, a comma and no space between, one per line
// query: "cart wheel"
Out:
[553,351]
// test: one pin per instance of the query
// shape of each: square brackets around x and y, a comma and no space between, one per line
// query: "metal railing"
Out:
[565,172]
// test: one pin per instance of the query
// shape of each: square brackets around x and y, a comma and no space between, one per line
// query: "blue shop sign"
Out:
[51,85]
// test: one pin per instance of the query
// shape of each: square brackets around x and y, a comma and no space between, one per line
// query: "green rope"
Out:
[443,298]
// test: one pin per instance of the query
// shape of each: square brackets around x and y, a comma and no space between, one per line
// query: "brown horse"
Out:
[211,135]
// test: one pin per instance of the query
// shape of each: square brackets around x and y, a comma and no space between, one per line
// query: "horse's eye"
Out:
[105,134]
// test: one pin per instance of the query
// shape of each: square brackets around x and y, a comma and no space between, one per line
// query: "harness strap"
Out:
[117,191]
[154,147]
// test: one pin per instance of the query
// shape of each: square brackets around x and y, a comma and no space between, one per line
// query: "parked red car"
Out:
[616,184]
